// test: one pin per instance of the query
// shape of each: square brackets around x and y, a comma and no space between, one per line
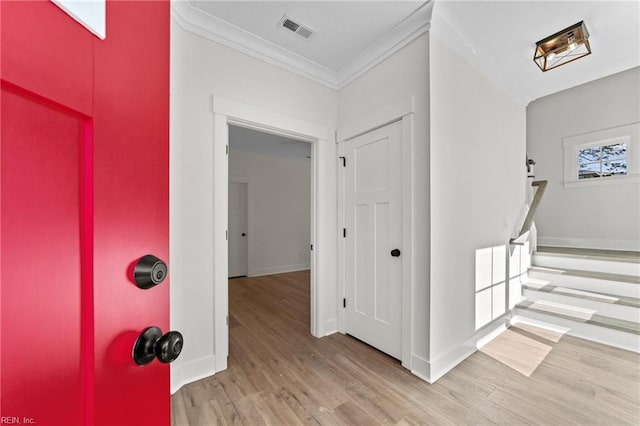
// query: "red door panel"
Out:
[133,220]
[84,194]
[45,51]
[41,243]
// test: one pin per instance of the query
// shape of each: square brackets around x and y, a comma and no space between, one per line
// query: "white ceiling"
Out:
[344,28]
[497,36]
[248,140]
[351,36]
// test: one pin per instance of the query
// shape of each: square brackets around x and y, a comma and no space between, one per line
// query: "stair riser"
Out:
[591,332]
[593,265]
[589,284]
[612,310]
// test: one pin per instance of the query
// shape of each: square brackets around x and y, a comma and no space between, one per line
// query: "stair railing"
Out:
[528,221]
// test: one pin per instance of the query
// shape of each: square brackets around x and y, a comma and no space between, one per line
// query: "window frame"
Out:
[629,134]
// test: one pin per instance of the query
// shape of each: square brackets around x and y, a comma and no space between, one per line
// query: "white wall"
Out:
[396,80]
[478,183]
[280,210]
[200,68]
[594,216]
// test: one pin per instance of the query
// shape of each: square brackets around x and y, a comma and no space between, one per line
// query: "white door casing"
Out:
[225,112]
[373,228]
[238,227]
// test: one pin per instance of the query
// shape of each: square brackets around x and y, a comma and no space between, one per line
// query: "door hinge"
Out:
[344,161]
[311,247]
[344,232]
[344,303]
[226,235]
[227,149]
[227,319]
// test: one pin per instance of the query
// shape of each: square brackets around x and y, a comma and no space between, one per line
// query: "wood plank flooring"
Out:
[280,375]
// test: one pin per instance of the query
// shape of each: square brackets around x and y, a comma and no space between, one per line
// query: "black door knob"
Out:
[151,344]
[243,234]
[169,346]
[395,252]
[149,272]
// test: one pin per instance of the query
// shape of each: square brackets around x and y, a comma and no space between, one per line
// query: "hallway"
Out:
[279,374]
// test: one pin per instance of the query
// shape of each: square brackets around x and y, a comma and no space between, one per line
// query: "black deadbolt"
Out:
[151,344]
[149,272]
[395,252]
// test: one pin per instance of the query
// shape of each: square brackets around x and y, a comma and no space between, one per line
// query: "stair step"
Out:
[594,254]
[607,336]
[588,274]
[607,261]
[599,282]
[546,287]
[583,315]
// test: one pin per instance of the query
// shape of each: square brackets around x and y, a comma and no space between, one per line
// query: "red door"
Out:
[84,194]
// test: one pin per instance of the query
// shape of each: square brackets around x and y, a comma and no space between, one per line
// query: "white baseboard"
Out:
[420,367]
[191,371]
[455,355]
[258,272]
[330,327]
[627,245]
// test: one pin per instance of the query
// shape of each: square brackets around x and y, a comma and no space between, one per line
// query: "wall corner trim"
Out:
[421,368]
[191,371]
[330,327]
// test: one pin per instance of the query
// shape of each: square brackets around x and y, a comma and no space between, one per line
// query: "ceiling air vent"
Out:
[290,24]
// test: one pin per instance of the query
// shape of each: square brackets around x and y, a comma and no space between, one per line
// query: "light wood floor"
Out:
[278,374]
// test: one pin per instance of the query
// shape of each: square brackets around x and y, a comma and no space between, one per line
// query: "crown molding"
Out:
[412,27]
[201,23]
[220,31]
[444,27]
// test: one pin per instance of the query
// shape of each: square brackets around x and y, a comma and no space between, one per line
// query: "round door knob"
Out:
[149,272]
[169,346]
[243,234]
[151,344]
[395,252]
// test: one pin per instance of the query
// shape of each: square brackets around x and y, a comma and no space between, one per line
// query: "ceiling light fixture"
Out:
[563,47]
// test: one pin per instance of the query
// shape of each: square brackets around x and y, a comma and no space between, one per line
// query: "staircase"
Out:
[592,294]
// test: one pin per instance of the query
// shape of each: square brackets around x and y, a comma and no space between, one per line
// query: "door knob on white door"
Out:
[395,253]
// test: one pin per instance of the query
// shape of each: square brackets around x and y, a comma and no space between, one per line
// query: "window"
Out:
[603,157]
[602,161]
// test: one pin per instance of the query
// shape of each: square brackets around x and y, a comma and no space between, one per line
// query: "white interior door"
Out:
[373,230]
[238,213]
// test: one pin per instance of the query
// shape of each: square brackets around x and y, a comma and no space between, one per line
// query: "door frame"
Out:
[247,181]
[403,111]
[230,112]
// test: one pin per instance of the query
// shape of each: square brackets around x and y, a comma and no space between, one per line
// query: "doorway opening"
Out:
[269,233]
[231,116]
[269,205]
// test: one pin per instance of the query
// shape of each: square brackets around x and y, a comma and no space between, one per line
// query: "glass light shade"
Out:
[562,47]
